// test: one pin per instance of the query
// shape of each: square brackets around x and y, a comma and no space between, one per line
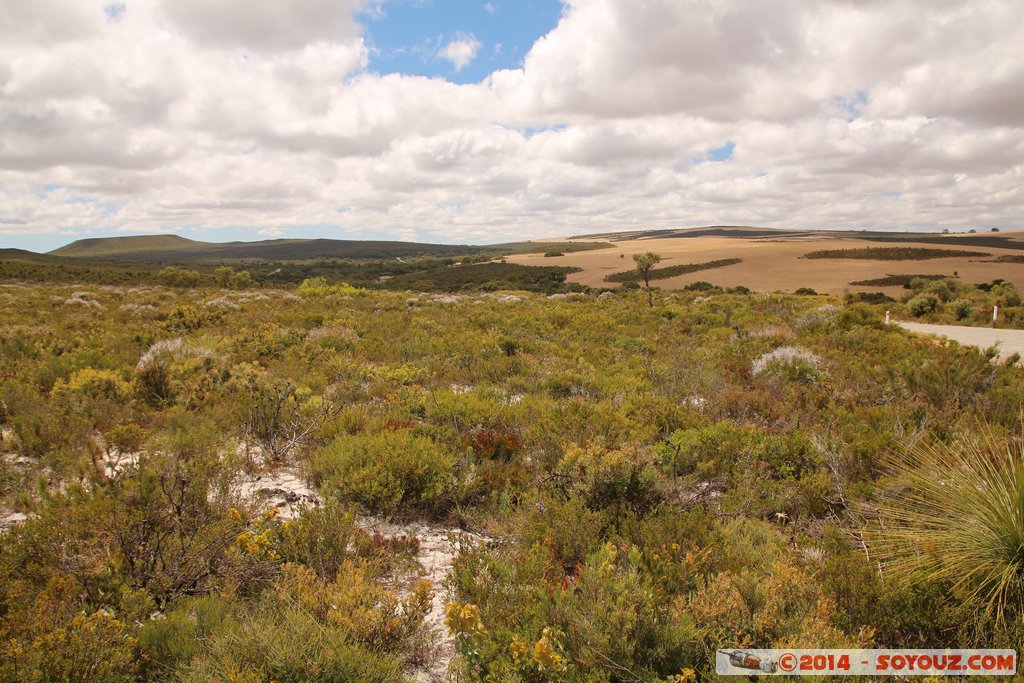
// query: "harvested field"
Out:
[777,263]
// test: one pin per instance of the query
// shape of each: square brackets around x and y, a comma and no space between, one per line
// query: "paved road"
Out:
[1009,341]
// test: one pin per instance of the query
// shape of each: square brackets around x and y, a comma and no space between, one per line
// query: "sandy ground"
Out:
[1008,341]
[286,489]
[8,517]
[772,264]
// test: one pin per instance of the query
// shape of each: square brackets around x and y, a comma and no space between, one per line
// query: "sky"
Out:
[481,121]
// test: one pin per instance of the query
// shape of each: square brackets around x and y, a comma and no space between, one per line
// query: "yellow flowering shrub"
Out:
[355,603]
[624,477]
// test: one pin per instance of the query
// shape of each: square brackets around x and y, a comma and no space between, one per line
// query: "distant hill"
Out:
[105,247]
[179,250]
[176,249]
[27,256]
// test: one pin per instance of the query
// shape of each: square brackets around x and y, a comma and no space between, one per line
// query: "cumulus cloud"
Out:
[263,24]
[842,113]
[461,51]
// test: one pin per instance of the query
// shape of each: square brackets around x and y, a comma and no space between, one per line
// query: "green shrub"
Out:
[172,640]
[308,628]
[921,614]
[319,287]
[173,276]
[604,618]
[701,286]
[565,526]
[962,308]
[945,289]
[318,537]
[391,472]
[1006,293]
[509,346]
[616,479]
[922,304]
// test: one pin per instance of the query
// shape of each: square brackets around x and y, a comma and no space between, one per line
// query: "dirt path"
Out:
[286,489]
[438,550]
[1009,341]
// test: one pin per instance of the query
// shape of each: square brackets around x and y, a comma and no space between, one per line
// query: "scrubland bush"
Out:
[319,287]
[318,538]
[311,629]
[391,473]
[789,362]
[173,276]
[725,449]
[922,304]
[962,308]
[189,318]
[605,618]
[657,482]
[623,478]
[1006,293]
[275,413]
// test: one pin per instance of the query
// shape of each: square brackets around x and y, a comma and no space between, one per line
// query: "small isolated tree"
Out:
[644,263]
[222,276]
[242,280]
[172,276]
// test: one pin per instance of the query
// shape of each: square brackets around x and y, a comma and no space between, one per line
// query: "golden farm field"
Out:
[775,263]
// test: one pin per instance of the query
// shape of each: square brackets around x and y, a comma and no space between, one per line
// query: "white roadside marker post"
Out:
[887,317]
[995,312]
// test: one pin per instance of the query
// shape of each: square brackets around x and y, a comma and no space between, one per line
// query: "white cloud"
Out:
[899,114]
[461,51]
[263,24]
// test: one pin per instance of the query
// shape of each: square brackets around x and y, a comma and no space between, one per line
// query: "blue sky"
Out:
[406,36]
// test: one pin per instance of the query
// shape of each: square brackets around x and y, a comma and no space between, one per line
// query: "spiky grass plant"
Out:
[960,519]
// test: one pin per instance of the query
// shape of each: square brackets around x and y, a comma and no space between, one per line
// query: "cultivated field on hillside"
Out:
[771,263]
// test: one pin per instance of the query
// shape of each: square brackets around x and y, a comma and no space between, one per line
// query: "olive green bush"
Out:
[646,484]
[390,473]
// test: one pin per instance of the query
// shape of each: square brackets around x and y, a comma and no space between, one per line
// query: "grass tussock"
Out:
[960,519]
